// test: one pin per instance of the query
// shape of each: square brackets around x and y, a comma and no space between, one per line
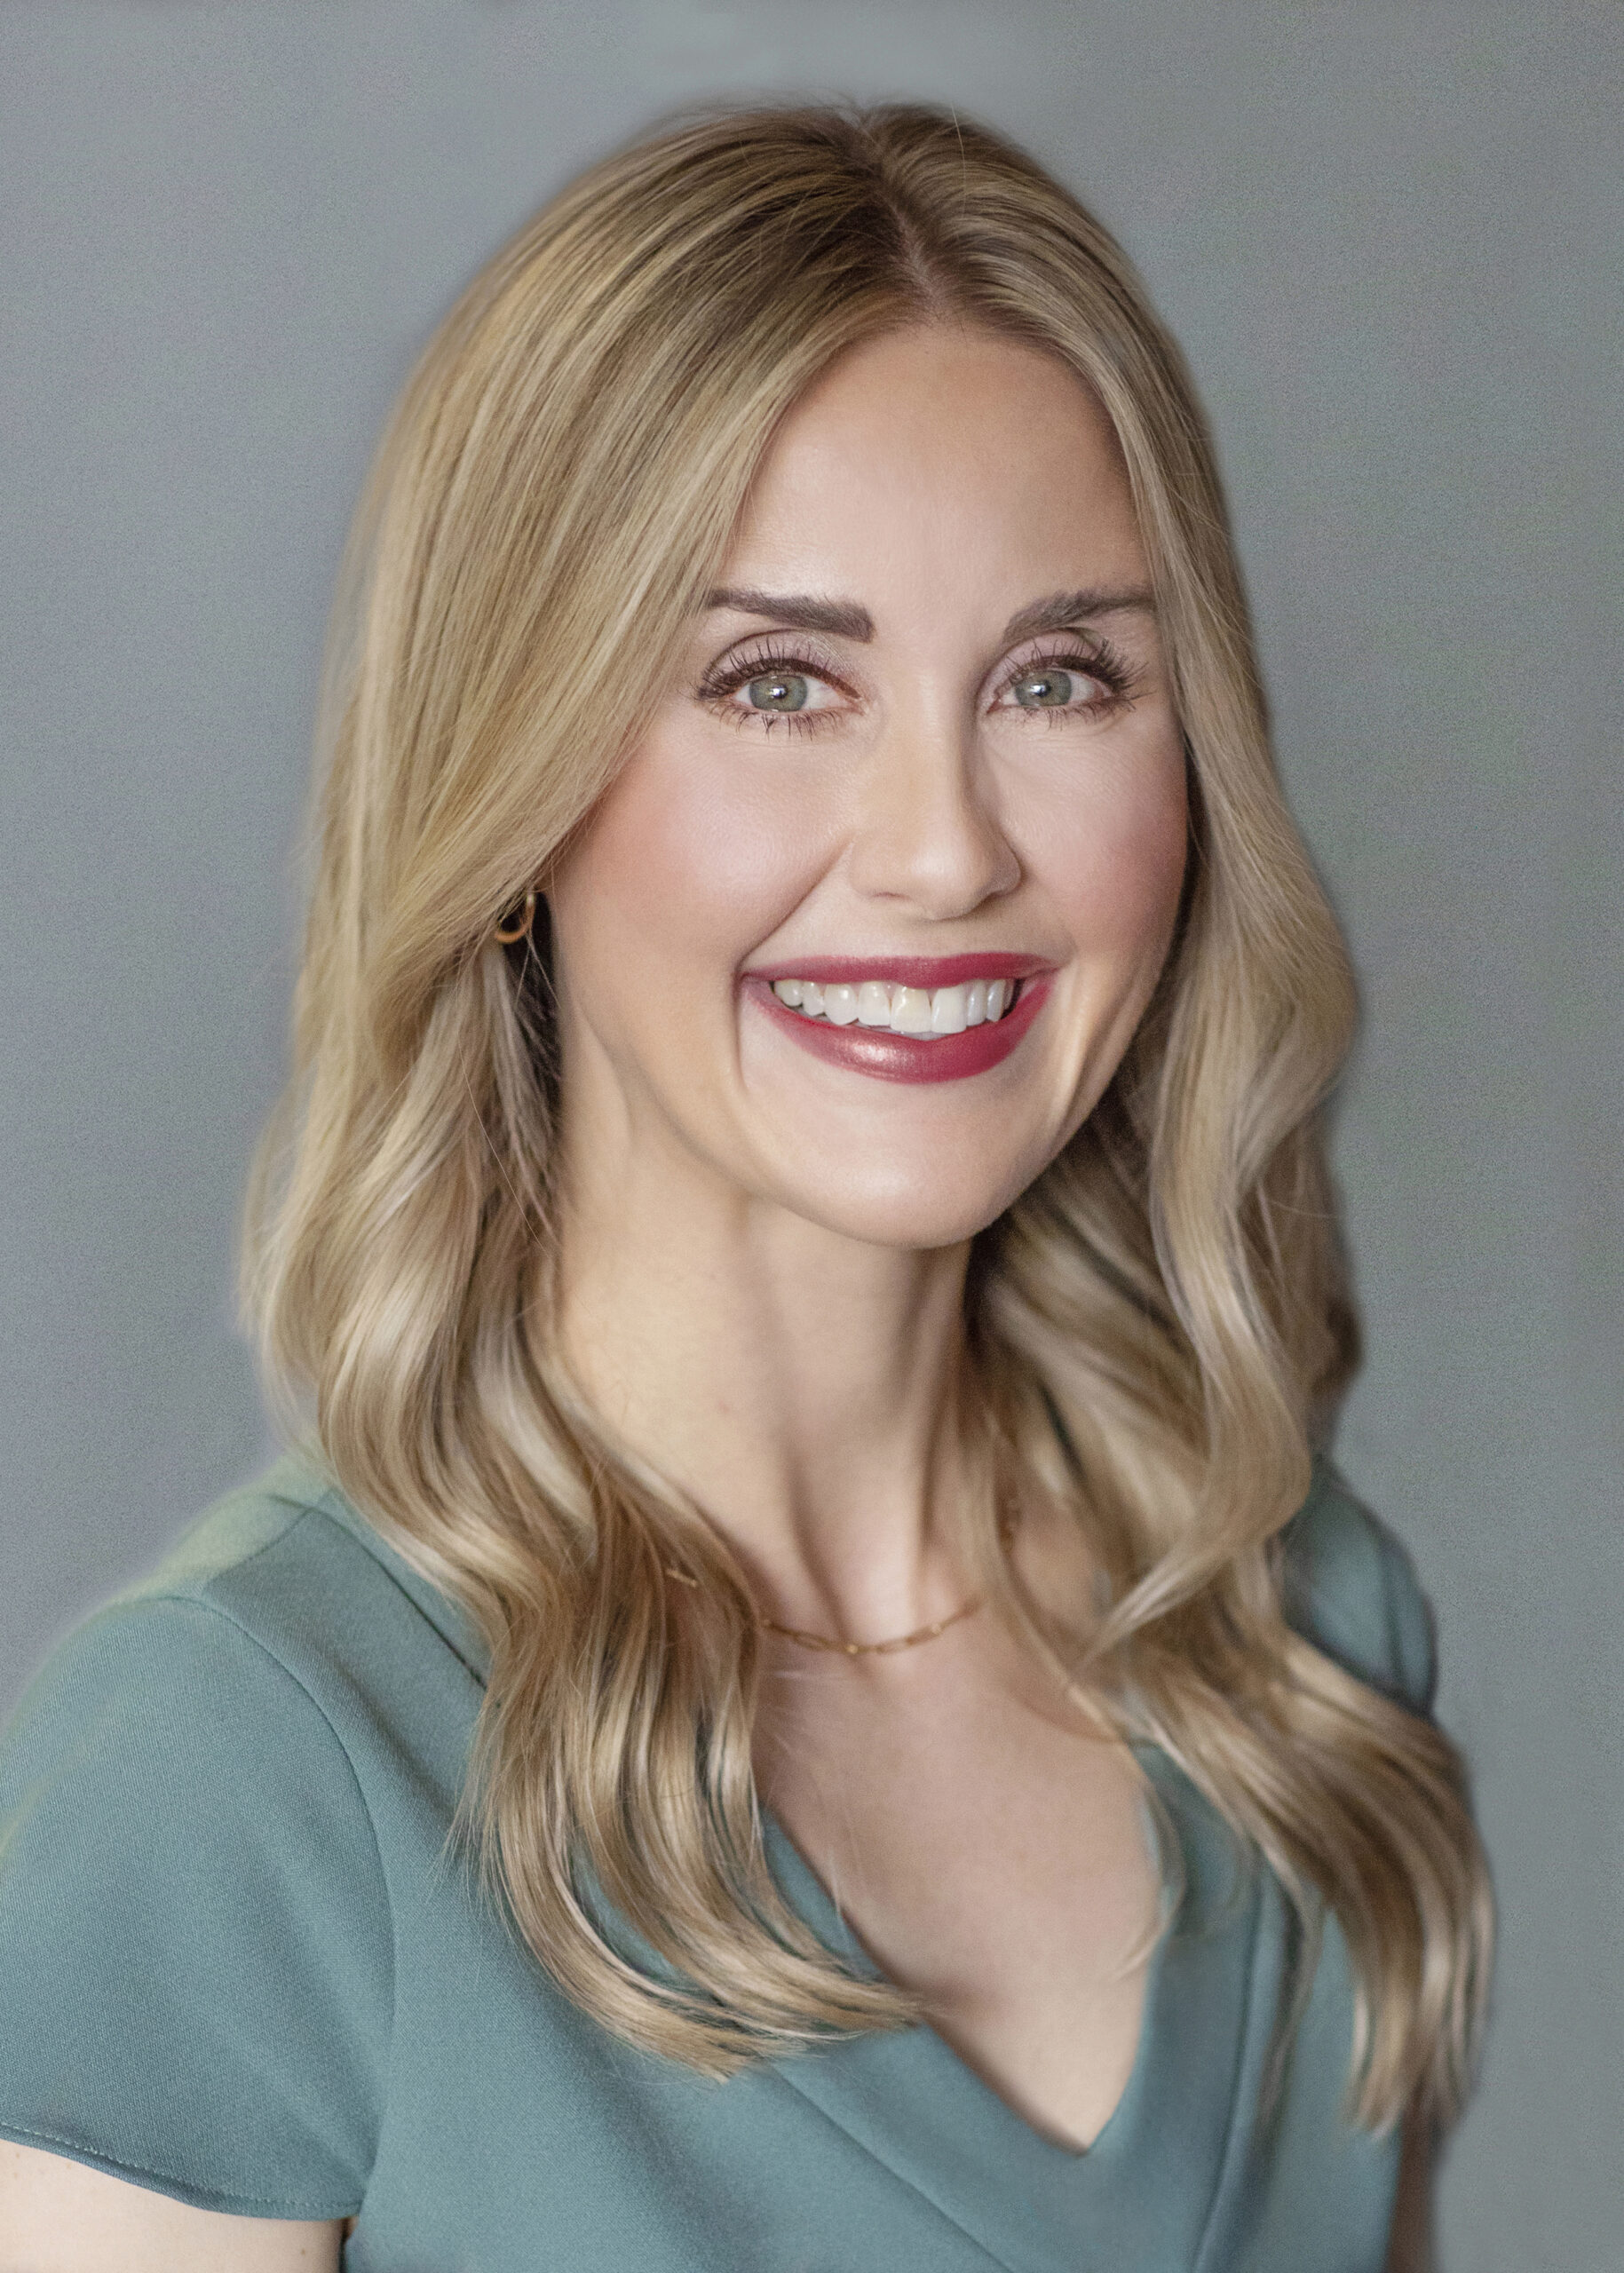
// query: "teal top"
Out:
[238,1964]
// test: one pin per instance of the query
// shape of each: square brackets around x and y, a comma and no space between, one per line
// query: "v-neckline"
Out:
[804,1889]
[1212,1997]
[914,2102]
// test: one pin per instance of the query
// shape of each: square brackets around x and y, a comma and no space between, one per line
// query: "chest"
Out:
[512,2132]
[994,1854]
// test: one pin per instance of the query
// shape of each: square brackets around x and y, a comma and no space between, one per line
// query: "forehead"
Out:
[938,466]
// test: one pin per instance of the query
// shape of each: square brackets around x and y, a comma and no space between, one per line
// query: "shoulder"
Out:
[279,1651]
[286,1583]
[215,1623]
[1350,1587]
[195,1917]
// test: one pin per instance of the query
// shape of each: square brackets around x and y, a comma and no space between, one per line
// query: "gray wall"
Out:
[1388,236]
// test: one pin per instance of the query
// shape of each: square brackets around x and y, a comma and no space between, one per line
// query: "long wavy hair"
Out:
[1156,1328]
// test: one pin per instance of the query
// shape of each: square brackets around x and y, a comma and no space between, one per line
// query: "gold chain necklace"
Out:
[835,1645]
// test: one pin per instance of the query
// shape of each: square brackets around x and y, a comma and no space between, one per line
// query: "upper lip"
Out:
[926,971]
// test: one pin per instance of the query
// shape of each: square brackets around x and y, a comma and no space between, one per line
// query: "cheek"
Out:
[1113,860]
[686,863]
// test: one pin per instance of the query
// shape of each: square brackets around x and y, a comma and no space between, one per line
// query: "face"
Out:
[864,925]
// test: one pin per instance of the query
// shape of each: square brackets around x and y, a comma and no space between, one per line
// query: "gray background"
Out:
[1388,236]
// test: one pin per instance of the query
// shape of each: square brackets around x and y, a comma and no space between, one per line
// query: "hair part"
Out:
[1157,1326]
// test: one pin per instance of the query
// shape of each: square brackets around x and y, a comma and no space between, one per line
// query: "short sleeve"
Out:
[1351,1588]
[195,1943]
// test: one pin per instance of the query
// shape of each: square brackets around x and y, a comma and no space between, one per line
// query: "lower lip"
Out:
[903,1058]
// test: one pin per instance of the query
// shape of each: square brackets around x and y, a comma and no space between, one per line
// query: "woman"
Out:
[802,1232]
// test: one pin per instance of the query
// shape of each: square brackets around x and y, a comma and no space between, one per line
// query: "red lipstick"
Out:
[889,1057]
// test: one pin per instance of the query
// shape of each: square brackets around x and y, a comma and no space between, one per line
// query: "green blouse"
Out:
[240,1964]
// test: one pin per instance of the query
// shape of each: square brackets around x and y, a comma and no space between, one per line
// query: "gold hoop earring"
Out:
[518,928]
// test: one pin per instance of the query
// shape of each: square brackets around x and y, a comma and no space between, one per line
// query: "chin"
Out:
[916,1205]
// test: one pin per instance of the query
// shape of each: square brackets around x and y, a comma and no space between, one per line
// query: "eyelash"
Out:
[1101,662]
[760,662]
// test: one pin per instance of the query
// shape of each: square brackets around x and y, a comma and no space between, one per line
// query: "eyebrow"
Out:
[845,620]
[841,619]
[1060,609]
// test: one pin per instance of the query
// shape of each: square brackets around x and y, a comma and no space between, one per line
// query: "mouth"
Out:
[908,1018]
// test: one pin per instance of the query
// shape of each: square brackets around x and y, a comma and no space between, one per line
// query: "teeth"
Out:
[901,1010]
[948,1009]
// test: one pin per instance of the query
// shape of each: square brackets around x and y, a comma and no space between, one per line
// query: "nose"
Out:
[928,831]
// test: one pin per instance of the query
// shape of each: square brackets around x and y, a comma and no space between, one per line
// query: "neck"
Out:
[804,1388]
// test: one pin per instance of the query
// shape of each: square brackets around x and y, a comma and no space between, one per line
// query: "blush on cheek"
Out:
[1125,874]
[677,875]
[1160,862]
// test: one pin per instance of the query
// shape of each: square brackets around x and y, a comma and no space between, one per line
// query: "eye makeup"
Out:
[774,656]
[770,656]
[1092,657]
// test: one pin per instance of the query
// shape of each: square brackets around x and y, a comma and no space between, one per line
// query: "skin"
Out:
[765,1254]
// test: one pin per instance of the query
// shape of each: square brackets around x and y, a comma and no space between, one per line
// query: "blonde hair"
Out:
[1156,1326]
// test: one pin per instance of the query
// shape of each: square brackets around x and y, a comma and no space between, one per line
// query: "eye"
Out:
[778,692]
[762,686]
[1049,689]
[1067,686]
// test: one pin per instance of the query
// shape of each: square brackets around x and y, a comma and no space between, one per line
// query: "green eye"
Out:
[778,691]
[1044,690]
